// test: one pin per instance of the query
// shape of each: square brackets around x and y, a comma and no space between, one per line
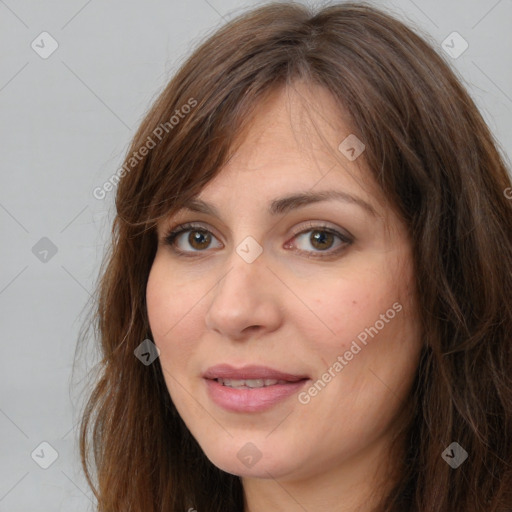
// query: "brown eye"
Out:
[199,239]
[321,239]
[191,239]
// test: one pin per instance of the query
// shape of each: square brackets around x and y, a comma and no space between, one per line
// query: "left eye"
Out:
[320,239]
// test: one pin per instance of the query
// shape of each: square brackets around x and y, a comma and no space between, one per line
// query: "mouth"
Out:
[250,388]
[250,383]
[251,374]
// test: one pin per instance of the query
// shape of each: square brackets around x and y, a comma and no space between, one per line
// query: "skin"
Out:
[292,312]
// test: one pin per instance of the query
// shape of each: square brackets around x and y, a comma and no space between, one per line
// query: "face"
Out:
[287,328]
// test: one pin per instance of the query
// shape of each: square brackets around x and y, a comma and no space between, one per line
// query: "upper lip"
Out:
[225,371]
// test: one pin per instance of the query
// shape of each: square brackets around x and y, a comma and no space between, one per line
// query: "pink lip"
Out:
[225,371]
[250,400]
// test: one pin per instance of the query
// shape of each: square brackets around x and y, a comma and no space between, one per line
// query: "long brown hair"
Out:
[432,154]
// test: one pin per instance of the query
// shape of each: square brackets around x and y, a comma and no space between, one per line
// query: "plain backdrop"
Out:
[66,119]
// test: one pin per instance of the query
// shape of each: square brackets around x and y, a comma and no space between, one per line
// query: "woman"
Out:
[308,301]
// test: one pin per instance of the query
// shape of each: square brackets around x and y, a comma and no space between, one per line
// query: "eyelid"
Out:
[304,227]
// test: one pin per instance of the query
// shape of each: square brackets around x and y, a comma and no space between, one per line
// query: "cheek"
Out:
[341,310]
[368,319]
[172,306]
[372,355]
[158,294]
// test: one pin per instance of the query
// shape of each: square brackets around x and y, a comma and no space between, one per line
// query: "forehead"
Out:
[296,121]
[291,144]
[286,156]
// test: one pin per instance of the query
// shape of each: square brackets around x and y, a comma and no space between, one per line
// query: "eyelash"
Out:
[170,238]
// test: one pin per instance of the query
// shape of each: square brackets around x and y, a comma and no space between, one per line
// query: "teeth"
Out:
[249,383]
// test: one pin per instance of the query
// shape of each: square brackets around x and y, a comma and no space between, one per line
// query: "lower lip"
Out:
[251,400]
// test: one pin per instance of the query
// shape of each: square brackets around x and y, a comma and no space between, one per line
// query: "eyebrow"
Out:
[288,203]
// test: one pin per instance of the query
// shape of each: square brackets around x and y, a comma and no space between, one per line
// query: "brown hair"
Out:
[435,159]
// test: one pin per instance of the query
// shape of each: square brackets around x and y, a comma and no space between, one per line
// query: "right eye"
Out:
[198,239]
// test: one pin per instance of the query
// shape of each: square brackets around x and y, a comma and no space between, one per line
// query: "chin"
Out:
[250,459]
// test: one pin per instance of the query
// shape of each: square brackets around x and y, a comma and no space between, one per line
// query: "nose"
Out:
[245,301]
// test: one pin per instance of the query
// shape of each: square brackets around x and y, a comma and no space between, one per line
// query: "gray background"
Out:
[66,122]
